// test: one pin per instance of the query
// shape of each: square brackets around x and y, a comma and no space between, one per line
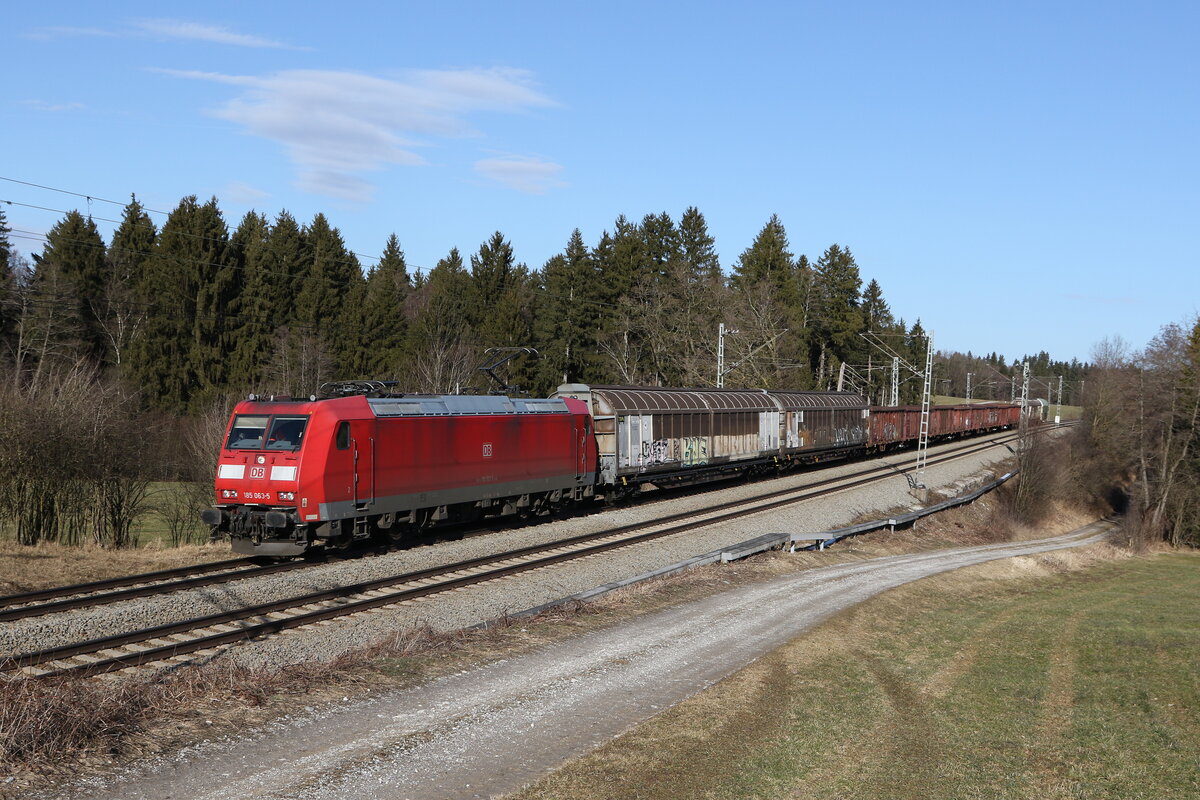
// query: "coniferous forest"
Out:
[120,359]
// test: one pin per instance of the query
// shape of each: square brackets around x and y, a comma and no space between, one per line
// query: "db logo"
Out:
[258,472]
[487,449]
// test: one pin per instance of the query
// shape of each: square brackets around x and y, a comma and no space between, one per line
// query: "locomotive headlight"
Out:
[287,495]
[229,494]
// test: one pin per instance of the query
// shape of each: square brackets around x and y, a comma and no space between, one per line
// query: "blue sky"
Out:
[1020,175]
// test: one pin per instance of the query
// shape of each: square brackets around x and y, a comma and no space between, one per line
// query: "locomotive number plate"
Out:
[257,495]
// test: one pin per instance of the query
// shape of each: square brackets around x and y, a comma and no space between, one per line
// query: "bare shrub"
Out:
[179,505]
[73,468]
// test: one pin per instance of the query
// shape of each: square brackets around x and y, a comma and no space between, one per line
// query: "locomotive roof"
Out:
[462,404]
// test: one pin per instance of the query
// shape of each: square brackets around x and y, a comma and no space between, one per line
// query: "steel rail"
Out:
[84,595]
[126,580]
[76,596]
[87,600]
[726,511]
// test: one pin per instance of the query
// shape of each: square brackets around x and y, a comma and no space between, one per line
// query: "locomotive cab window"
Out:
[247,432]
[343,435]
[286,433]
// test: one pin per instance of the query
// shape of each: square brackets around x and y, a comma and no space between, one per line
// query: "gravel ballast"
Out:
[472,605]
[489,730]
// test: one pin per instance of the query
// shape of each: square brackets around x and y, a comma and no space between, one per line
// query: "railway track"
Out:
[129,587]
[178,643]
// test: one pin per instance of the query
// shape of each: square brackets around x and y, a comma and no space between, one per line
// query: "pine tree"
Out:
[74,248]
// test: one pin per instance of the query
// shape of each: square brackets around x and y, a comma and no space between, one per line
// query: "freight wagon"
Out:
[665,436]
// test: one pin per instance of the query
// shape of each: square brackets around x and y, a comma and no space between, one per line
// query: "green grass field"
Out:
[1083,685]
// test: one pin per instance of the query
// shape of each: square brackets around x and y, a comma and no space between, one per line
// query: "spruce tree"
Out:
[217,290]
[697,247]
[329,272]
[837,289]
[444,354]
[178,359]
[768,261]
[252,315]
[75,250]
[502,297]
[9,307]
[877,317]
[53,335]
[491,274]
[122,310]
[661,248]
[566,316]
[769,312]
[285,268]
[323,330]
[384,322]
[915,346]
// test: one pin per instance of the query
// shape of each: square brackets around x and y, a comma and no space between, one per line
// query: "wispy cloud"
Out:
[243,193]
[174,29]
[55,108]
[528,174]
[335,125]
[198,31]
[59,31]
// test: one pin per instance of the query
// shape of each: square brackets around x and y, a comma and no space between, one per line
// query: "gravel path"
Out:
[491,730]
[488,601]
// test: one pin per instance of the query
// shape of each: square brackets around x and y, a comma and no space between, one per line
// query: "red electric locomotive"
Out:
[293,473]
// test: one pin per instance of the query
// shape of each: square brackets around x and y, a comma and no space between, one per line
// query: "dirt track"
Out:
[491,730]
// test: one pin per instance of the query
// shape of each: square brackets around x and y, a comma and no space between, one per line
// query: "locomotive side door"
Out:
[581,456]
[363,447]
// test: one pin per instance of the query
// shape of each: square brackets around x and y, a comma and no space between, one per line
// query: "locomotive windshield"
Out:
[286,433]
[247,432]
[254,432]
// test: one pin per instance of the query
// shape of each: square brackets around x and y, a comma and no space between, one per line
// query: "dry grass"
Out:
[24,568]
[52,729]
[56,728]
[967,684]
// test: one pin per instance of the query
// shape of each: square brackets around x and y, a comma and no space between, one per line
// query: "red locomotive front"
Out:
[331,471]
